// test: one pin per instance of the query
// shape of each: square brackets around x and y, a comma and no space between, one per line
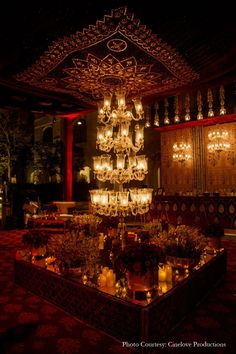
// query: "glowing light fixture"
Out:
[181,152]
[218,140]
[116,134]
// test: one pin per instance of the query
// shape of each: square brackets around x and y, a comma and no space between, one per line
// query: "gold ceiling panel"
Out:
[117,52]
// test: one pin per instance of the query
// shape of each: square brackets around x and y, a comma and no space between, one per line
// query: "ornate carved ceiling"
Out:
[116,52]
[172,51]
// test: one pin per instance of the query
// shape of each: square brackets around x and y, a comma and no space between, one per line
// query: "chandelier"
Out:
[126,202]
[181,152]
[115,133]
[218,140]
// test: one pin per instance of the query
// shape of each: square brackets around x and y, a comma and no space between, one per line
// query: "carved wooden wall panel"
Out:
[221,168]
[205,171]
[175,176]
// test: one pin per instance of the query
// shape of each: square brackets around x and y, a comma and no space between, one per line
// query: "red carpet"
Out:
[28,324]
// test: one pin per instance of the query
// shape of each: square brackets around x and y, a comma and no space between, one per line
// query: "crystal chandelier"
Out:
[218,140]
[121,203]
[115,133]
[181,152]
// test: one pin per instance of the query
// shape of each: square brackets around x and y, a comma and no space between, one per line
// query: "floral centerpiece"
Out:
[182,245]
[72,251]
[139,259]
[86,223]
[67,251]
[154,227]
[36,241]
[140,262]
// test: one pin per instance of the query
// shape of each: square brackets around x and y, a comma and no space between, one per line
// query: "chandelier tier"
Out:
[118,115]
[218,140]
[115,133]
[127,168]
[120,140]
[181,152]
[110,203]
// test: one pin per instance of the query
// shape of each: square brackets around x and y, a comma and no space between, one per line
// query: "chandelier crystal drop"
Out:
[218,140]
[156,117]
[117,135]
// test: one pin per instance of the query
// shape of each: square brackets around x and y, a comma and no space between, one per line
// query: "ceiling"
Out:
[60,58]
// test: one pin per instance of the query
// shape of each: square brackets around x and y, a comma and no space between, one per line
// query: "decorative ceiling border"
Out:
[120,20]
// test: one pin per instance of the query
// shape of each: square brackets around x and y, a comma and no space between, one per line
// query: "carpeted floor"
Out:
[28,324]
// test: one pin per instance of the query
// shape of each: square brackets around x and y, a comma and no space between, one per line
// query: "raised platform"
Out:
[120,318]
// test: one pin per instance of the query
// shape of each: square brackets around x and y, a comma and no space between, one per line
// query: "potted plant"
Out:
[73,252]
[214,233]
[183,246]
[67,253]
[36,241]
[140,262]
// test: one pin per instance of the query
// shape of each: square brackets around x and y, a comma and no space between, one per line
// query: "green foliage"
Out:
[67,250]
[78,158]
[16,136]
[49,156]
[183,242]
[75,249]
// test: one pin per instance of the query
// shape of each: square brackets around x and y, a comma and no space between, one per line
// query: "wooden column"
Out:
[68,140]
[199,163]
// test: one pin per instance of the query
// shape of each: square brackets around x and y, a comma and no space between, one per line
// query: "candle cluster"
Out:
[164,278]
[164,273]
[107,278]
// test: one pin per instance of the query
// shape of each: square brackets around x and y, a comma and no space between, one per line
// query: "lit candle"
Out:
[168,273]
[50,267]
[105,270]
[101,241]
[110,279]
[102,281]
[124,292]
[161,273]
[148,296]
[164,287]
[85,279]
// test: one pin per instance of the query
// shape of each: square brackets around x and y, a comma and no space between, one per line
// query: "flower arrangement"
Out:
[139,259]
[84,219]
[87,223]
[154,228]
[67,250]
[73,251]
[183,242]
[35,238]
